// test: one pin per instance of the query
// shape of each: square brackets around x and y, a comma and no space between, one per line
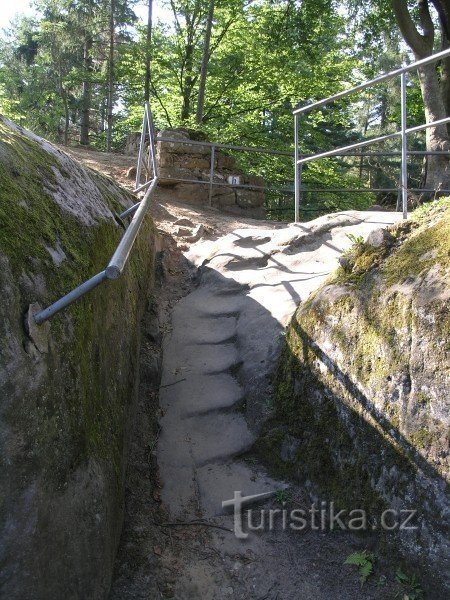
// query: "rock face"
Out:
[363,389]
[66,388]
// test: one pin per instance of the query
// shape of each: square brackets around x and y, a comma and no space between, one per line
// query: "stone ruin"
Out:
[180,159]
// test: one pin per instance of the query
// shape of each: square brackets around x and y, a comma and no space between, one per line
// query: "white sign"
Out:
[234,179]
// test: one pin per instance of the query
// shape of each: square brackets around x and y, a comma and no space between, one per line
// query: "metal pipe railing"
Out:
[122,252]
[120,256]
[346,150]
[376,140]
[385,77]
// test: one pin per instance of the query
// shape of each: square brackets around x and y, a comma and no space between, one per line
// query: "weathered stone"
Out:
[225,162]
[380,237]
[131,173]
[249,198]
[67,388]
[132,143]
[197,194]
[165,159]
[197,163]
[184,222]
[182,232]
[363,384]
[39,334]
[178,160]
[225,199]
[196,234]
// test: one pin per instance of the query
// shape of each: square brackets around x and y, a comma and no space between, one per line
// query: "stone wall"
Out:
[181,160]
[67,388]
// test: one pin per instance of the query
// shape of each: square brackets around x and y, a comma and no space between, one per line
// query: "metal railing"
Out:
[213,172]
[404,131]
[138,210]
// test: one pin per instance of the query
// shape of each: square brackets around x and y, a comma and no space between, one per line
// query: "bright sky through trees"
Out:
[8,10]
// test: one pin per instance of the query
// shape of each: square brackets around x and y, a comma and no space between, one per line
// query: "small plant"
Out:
[411,584]
[428,207]
[358,240]
[357,245]
[283,496]
[364,561]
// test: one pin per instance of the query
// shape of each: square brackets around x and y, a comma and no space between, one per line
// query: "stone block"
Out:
[224,161]
[380,237]
[225,199]
[197,194]
[247,198]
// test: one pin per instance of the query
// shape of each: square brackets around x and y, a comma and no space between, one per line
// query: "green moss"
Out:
[429,245]
[82,409]
[322,407]
[422,438]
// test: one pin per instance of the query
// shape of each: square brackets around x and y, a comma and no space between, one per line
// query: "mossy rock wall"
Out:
[67,393]
[363,388]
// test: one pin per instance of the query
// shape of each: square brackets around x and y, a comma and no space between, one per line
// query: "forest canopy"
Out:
[79,71]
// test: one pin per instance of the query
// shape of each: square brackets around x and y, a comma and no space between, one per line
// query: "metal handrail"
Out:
[362,86]
[376,140]
[402,133]
[122,252]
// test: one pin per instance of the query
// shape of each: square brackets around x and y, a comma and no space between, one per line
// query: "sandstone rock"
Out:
[363,377]
[228,199]
[132,143]
[249,198]
[380,237]
[196,234]
[184,222]
[197,194]
[131,173]
[182,232]
[225,162]
[67,388]
[179,161]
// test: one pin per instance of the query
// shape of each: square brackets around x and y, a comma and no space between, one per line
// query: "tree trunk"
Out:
[110,77]
[437,168]
[188,83]
[148,52]
[87,92]
[66,117]
[205,61]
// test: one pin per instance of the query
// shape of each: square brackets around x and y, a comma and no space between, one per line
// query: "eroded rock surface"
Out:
[363,387]
[67,387]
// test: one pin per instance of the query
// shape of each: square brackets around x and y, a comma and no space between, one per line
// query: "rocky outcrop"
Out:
[362,404]
[183,160]
[187,159]
[66,388]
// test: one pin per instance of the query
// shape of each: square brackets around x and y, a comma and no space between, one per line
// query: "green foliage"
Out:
[429,207]
[265,58]
[283,496]
[411,585]
[364,561]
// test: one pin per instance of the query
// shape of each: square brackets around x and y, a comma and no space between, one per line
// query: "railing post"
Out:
[211,173]
[404,166]
[297,173]
[141,149]
[152,147]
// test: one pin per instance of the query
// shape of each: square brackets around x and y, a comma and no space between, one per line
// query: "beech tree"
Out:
[419,33]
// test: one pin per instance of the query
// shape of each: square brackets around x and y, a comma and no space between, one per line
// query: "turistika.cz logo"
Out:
[318,517]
